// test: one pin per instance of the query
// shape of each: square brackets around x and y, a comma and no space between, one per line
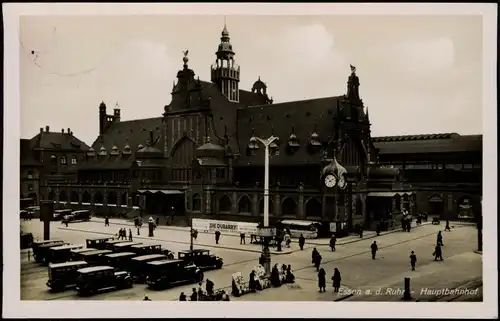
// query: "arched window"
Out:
[244,205]
[51,196]
[63,197]
[289,207]
[53,159]
[112,198]
[225,204]
[98,198]
[196,203]
[74,197]
[314,207]
[261,206]
[86,198]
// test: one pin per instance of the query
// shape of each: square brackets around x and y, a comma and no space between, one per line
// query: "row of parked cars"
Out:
[110,264]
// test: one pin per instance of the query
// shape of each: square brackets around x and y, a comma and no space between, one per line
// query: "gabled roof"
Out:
[58,141]
[305,115]
[424,144]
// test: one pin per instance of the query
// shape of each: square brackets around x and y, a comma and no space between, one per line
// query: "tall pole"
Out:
[191,230]
[266,186]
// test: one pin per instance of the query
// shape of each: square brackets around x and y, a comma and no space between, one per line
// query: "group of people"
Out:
[335,280]
[122,234]
[280,277]
[200,295]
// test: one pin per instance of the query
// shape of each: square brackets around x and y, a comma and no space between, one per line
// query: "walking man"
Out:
[217,237]
[374,248]
[438,253]
[242,238]
[106,221]
[333,240]
[302,241]
[130,235]
[361,232]
[440,239]
[336,280]
[447,227]
[413,260]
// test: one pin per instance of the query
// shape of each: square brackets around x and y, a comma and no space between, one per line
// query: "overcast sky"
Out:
[418,74]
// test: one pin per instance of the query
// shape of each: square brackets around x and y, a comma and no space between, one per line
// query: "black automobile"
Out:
[119,260]
[167,273]
[98,242]
[40,248]
[63,275]
[81,215]
[92,280]
[26,240]
[94,257]
[138,266]
[124,246]
[145,249]
[110,245]
[75,254]
[59,214]
[201,258]
[59,254]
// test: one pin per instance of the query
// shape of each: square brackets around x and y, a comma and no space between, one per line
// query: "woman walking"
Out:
[336,280]
[322,280]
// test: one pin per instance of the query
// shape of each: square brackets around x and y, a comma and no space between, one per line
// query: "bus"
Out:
[59,214]
[310,229]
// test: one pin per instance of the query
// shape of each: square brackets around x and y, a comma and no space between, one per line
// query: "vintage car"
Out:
[98,242]
[145,249]
[167,273]
[59,214]
[26,240]
[63,275]
[92,280]
[40,248]
[59,254]
[109,245]
[138,266]
[94,257]
[124,246]
[75,254]
[81,215]
[201,258]
[119,260]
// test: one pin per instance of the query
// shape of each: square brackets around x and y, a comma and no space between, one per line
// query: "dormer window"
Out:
[314,140]
[64,160]
[53,159]
[73,160]
[274,147]
[114,151]
[293,142]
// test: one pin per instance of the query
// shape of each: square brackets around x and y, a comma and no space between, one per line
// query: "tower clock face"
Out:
[330,180]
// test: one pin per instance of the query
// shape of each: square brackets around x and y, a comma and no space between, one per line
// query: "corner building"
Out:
[196,161]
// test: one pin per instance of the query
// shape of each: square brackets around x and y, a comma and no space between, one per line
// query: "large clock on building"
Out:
[330,180]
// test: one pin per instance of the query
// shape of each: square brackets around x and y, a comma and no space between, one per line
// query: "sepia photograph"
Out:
[317,160]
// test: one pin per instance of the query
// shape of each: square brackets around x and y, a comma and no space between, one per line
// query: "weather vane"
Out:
[353,69]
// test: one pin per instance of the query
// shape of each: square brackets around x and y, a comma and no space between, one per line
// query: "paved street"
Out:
[359,271]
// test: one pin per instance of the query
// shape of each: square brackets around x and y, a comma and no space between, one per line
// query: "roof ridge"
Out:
[292,101]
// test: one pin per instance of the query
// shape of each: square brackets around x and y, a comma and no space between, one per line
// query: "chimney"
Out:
[69,131]
[47,128]
[41,129]
[62,130]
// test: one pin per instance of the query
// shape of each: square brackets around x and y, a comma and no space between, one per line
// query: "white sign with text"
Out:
[225,227]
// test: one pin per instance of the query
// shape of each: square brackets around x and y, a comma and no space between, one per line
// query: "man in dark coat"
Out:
[378,229]
[322,280]
[302,241]
[317,262]
[313,255]
[333,240]
[403,224]
[447,227]
[438,253]
[106,221]
[182,297]
[336,280]
[361,232]
[413,260]
[130,235]
[290,278]
[217,237]
[275,276]
[209,286]
[157,221]
[440,239]
[374,248]
[242,238]
[194,295]
[252,284]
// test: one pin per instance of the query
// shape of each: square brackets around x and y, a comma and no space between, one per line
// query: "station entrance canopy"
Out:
[388,194]
[160,191]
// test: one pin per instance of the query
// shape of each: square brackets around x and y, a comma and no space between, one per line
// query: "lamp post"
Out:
[268,144]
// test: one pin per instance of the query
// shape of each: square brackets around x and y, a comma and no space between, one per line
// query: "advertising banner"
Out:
[225,227]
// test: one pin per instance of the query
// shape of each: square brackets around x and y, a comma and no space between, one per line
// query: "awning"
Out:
[163,191]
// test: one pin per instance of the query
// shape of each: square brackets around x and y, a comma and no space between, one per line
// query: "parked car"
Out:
[26,240]
[59,214]
[167,273]
[201,258]
[81,215]
[138,266]
[119,260]
[145,249]
[63,275]
[124,246]
[75,254]
[98,242]
[94,257]
[59,254]
[109,245]
[40,248]
[92,280]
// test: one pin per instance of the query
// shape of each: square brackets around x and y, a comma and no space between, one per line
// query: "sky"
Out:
[418,74]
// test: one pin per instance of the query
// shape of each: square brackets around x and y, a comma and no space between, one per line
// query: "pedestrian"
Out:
[447,227]
[157,221]
[403,224]
[194,295]
[290,278]
[439,239]
[136,221]
[378,229]
[313,255]
[302,241]
[322,280]
[287,240]
[374,248]
[182,297]
[209,286]
[200,291]
[413,260]
[130,235]
[146,298]
[242,238]
[106,221]
[252,285]
[336,280]
[275,276]
[29,255]
[361,232]
[138,230]
[333,240]
[438,253]
[317,263]
[408,229]
[217,237]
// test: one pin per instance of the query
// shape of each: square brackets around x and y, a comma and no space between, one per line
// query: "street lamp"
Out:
[269,144]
